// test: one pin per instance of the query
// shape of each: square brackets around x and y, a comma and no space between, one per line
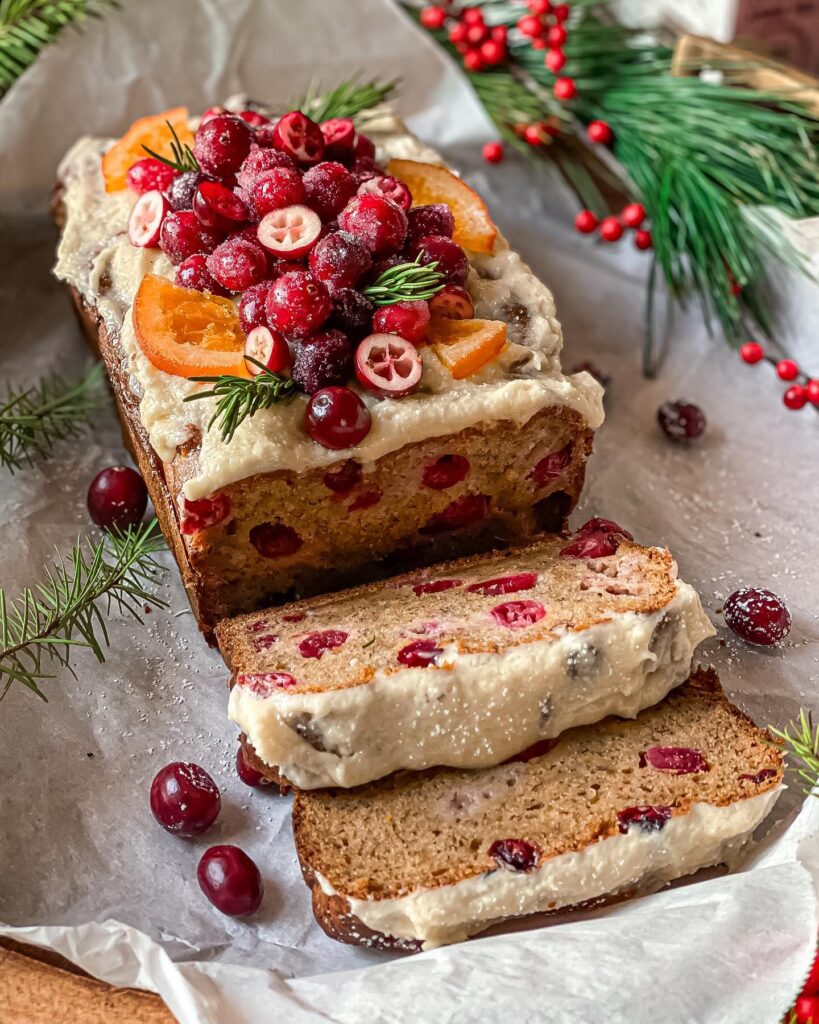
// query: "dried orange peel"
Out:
[188,333]
[150,131]
[466,346]
[430,183]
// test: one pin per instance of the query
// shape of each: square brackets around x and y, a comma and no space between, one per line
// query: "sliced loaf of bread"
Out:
[465,664]
[612,809]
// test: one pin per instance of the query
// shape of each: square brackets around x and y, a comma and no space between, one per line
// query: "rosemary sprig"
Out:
[801,738]
[33,419]
[347,99]
[183,158]
[405,282]
[67,608]
[240,397]
[26,26]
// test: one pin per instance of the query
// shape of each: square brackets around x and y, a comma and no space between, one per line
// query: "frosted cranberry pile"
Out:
[295,219]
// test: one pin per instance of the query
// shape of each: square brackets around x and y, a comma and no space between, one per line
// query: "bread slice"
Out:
[611,810]
[465,664]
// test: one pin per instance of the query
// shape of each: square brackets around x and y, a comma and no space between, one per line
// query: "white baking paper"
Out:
[84,868]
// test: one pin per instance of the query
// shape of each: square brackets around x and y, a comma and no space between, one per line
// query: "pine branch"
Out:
[183,159]
[801,738]
[347,99]
[406,282]
[33,419]
[27,26]
[66,609]
[241,397]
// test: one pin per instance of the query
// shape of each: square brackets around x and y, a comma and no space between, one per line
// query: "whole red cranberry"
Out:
[337,418]
[230,880]
[450,258]
[329,187]
[377,223]
[298,304]
[339,260]
[259,161]
[352,313]
[323,359]
[184,799]
[681,421]
[252,306]
[249,775]
[181,190]
[182,235]
[364,146]
[407,319]
[221,145]
[148,174]
[275,189]
[193,273]
[117,498]
[237,264]
[295,134]
[757,616]
[434,219]
[339,139]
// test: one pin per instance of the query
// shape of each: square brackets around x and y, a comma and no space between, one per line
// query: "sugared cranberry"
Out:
[466,511]
[193,273]
[252,306]
[149,174]
[757,616]
[259,161]
[504,584]
[435,586]
[266,350]
[450,258]
[291,232]
[117,498]
[181,190]
[218,208]
[298,304]
[364,168]
[352,313]
[518,614]
[230,880]
[369,499]
[676,760]
[340,260]
[378,224]
[265,684]
[344,478]
[434,219]
[681,421]
[316,644]
[221,145]
[388,187]
[453,303]
[388,365]
[249,775]
[184,799]
[237,264]
[182,235]
[275,540]
[329,187]
[650,818]
[212,112]
[337,418]
[254,118]
[274,190]
[339,139]
[409,319]
[299,137]
[145,220]
[445,472]
[323,359]
[550,467]
[419,654]
[202,513]
[364,147]
[763,775]
[517,854]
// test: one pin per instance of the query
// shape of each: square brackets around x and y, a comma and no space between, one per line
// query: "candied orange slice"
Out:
[188,333]
[465,346]
[430,183]
[150,131]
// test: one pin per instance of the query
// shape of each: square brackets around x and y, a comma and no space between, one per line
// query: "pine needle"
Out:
[801,738]
[33,419]
[182,160]
[348,99]
[405,282]
[66,609]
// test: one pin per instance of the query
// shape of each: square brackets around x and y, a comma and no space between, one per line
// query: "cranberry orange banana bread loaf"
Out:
[383,370]
[611,810]
[464,664]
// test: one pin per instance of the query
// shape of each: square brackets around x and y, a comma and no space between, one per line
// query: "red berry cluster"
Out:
[545,26]
[802,390]
[611,228]
[479,45]
[806,1009]
[296,218]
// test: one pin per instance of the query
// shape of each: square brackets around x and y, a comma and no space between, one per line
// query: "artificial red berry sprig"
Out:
[479,45]
[803,390]
[611,228]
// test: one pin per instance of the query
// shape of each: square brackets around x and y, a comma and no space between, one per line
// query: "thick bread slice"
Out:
[611,809]
[465,664]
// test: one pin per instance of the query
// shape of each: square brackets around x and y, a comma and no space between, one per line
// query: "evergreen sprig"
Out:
[348,99]
[405,282]
[182,160]
[26,26]
[241,397]
[33,419]
[67,608]
[801,738]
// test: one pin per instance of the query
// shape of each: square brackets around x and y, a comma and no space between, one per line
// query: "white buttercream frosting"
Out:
[482,709]
[641,860]
[96,257]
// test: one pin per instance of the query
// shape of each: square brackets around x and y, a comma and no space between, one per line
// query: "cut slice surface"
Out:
[152,132]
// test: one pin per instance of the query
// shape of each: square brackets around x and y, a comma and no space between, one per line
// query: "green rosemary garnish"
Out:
[66,609]
[183,158]
[240,397]
[801,738]
[349,98]
[33,419]
[405,282]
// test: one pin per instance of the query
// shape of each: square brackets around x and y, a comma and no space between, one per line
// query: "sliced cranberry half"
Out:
[761,776]
[290,232]
[275,540]
[518,614]
[202,513]
[504,584]
[677,760]
[517,854]
[419,654]
[318,643]
[388,365]
[435,586]
[549,468]
[265,684]
[445,472]
[339,138]
[452,303]
[145,221]
[388,187]
[217,207]
[299,137]
[466,511]
[266,350]
[650,818]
